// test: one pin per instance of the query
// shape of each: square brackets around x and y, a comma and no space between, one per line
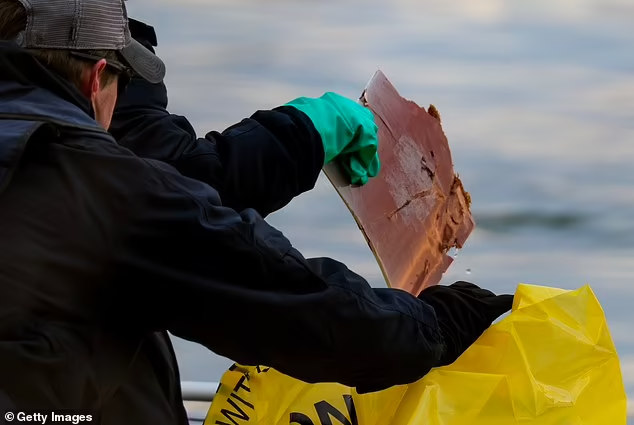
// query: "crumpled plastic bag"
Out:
[551,361]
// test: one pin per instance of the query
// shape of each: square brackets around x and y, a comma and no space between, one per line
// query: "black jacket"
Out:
[263,162]
[103,251]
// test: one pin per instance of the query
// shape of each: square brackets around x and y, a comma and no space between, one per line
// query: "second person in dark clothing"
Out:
[263,163]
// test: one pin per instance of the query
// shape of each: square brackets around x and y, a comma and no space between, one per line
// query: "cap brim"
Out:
[143,62]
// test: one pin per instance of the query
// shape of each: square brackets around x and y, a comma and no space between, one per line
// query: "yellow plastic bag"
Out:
[550,362]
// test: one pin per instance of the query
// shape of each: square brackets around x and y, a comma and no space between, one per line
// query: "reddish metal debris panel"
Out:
[416,209]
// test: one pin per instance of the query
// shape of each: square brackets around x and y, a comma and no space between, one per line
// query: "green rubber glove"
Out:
[348,132]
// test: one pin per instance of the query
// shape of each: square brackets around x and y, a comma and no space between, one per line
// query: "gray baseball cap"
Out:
[78,25]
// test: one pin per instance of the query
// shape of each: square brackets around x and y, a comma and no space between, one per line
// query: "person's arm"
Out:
[233,283]
[263,162]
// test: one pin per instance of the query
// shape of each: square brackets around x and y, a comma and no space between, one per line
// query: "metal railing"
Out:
[197,396]
[199,391]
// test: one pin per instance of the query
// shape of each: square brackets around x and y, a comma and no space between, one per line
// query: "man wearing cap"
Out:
[103,251]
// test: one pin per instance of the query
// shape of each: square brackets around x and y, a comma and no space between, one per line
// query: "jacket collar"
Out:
[29,89]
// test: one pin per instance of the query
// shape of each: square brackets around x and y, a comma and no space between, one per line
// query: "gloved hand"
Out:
[464,312]
[348,132]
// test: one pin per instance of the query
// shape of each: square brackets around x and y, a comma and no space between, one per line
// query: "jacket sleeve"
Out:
[233,283]
[263,162]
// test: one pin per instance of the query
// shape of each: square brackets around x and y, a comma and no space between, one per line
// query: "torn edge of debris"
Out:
[433,111]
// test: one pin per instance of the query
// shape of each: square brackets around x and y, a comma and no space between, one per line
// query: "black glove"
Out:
[464,312]
[143,33]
